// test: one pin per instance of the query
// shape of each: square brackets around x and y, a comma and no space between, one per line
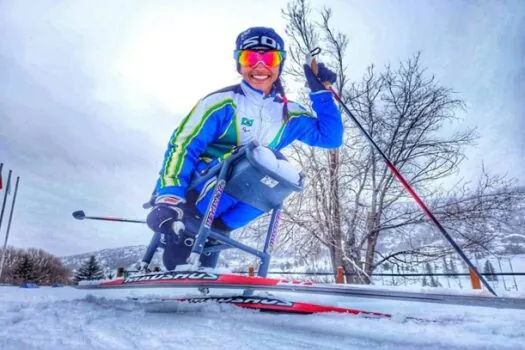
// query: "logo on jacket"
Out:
[246,122]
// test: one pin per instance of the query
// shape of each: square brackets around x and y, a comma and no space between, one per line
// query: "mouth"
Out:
[260,77]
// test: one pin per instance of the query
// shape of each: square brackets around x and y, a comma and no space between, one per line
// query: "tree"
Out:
[35,265]
[446,268]
[424,283]
[11,258]
[90,270]
[433,282]
[489,269]
[352,199]
[24,271]
[48,268]
[453,269]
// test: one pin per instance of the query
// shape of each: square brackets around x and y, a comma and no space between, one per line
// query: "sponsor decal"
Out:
[215,203]
[258,40]
[269,181]
[171,200]
[241,300]
[193,275]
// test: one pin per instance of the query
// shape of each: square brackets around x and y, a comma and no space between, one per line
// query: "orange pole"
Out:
[251,271]
[120,272]
[476,284]
[340,276]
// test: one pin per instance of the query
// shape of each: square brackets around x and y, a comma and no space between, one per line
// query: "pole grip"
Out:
[312,62]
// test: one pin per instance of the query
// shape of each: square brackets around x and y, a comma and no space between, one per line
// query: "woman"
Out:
[256,109]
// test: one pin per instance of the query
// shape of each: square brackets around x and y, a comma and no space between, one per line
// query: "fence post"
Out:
[476,284]
[340,276]
[251,271]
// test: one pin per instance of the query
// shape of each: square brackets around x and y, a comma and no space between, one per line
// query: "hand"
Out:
[166,215]
[323,75]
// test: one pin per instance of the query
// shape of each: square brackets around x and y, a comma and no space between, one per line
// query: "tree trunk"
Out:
[335,210]
[373,235]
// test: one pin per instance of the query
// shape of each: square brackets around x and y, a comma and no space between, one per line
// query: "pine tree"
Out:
[433,282]
[453,269]
[489,269]
[424,283]
[89,271]
[446,268]
[24,271]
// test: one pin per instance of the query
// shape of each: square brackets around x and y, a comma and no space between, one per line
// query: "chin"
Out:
[264,86]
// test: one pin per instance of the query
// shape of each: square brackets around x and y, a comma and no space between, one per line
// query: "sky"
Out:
[90,92]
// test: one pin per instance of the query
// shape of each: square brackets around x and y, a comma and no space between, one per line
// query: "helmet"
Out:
[259,38]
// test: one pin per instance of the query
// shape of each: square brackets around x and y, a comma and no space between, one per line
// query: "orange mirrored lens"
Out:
[251,58]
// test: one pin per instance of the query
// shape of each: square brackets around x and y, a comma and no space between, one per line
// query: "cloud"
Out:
[71,150]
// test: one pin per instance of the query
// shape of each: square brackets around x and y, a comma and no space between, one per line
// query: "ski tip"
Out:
[79,214]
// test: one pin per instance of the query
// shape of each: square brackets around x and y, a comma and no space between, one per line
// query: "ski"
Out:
[198,279]
[265,303]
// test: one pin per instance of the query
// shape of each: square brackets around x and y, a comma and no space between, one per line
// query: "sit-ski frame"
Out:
[205,230]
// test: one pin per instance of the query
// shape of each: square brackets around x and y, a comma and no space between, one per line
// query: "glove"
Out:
[166,215]
[323,75]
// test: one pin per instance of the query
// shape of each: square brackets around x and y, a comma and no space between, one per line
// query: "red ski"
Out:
[264,303]
[205,279]
[202,279]
[195,277]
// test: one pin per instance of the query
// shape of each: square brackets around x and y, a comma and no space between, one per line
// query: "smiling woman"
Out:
[256,110]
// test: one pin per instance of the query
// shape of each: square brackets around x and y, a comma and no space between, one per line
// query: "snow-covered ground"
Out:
[67,318]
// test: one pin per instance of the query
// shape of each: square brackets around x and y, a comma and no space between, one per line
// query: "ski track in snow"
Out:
[67,318]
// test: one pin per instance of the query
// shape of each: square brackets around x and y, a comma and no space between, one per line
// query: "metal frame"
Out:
[206,231]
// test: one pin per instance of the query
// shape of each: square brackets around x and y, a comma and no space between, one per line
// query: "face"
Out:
[260,76]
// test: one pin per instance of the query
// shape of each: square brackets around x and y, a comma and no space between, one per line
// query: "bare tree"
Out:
[479,215]
[352,199]
[34,265]
[48,268]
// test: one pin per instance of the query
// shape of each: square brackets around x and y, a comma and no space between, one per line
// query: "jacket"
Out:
[235,116]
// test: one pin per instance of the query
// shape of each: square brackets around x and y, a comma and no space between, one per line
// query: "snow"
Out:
[68,318]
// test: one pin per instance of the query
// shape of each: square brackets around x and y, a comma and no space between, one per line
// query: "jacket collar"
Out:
[255,94]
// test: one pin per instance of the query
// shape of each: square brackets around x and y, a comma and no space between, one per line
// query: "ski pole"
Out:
[398,175]
[80,215]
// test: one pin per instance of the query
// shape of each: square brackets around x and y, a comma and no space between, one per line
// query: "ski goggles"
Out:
[249,58]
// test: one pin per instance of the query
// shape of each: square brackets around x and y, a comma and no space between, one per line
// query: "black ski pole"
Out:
[80,215]
[401,179]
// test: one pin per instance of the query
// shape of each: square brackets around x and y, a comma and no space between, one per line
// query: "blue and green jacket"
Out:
[236,116]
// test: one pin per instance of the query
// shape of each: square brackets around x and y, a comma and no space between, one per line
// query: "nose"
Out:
[259,64]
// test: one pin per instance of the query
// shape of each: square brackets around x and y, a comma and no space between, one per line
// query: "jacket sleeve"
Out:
[188,142]
[325,130]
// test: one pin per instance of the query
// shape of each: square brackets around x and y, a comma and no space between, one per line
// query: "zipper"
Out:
[261,124]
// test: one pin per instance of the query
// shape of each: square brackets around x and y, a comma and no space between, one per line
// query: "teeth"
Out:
[260,77]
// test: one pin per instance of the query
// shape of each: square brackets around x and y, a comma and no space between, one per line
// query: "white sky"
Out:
[91,90]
